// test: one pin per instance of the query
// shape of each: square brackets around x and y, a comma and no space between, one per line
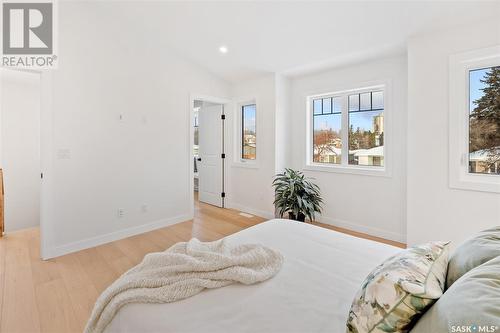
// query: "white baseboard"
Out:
[390,235]
[242,208]
[113,236]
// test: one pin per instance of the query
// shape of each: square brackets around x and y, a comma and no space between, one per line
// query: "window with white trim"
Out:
[366,128]
[474,140]
[248,132]
[347,129]
[484,120]
[327,124]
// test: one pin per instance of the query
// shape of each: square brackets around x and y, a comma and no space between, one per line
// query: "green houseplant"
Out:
[295,194]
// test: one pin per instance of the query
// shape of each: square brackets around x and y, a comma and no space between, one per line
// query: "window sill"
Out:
[471,182]
[356,170]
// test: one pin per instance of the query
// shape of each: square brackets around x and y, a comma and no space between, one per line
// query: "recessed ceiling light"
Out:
[223,49]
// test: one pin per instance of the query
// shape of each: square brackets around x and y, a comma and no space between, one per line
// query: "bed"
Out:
[313,292]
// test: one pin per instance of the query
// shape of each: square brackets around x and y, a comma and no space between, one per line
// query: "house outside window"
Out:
[327,120]
[248,132]
[366,128]
[348,131]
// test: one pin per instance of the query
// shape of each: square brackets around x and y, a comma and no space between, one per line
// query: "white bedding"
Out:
[313,292]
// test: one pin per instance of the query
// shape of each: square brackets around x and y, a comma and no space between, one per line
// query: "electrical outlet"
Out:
[120,212]
[144,208]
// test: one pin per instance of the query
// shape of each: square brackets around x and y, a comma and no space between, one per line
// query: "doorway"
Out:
[20,147]
[208,152]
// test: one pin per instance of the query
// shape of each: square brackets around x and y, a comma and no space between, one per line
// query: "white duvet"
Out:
[313,292]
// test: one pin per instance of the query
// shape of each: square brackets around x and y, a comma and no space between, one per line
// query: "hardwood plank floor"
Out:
[58,295]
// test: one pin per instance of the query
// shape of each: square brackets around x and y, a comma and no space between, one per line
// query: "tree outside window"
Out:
[484,120]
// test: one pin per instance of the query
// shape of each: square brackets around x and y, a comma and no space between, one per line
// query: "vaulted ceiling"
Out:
[294,37]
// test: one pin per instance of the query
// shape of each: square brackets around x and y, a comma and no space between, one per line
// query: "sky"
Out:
[249,117]
[363,120]
[475,86]
[357,119]
[328,121]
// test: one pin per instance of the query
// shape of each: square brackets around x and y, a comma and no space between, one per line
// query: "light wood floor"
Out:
[57,295]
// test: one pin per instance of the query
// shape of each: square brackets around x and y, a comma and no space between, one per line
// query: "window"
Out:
[474,114]
[366,128]
[248,132]
[327,141]
[484,120]
[348,130]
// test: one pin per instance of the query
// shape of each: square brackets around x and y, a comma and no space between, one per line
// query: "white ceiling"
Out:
[294,37]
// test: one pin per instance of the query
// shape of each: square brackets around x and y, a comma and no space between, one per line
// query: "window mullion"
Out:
[345,131]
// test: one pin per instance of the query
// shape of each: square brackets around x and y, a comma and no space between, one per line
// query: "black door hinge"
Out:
[41,175]
[223,194]
[223,155]
[223,116]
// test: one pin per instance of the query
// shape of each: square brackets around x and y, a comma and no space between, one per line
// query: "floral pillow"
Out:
[397,292]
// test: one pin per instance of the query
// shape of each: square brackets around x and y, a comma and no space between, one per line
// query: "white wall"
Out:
[100,163]
[283,123]
[250,184]
[20,147]
[372,204]
[435,211]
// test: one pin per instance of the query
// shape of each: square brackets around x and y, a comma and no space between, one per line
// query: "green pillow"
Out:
[399,290]
[472,304]
[472,253]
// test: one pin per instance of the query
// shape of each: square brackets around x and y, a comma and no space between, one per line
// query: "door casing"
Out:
[228,104]
[211,149]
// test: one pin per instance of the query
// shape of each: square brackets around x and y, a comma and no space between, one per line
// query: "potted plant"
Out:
[295,194]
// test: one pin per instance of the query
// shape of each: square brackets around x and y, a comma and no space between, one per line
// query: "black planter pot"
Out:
[300,218]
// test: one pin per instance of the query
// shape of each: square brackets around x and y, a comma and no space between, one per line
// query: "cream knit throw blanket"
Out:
[182,271]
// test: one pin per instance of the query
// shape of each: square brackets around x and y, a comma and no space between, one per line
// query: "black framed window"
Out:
[366,128]
[248,132]
[327,124]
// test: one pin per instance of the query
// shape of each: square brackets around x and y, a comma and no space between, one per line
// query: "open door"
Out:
[210,160]
[20,148]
